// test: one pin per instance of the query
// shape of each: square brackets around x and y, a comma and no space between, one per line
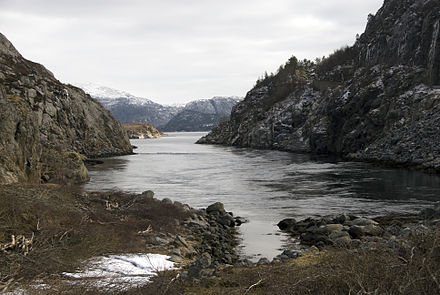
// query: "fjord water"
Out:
[263,186]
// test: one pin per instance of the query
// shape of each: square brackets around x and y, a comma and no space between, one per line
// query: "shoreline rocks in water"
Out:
[208,239]
[353,232]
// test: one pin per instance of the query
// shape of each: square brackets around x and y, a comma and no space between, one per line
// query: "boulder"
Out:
[157,241]
[358,231]
[310,238]
[292,253]
[148,194]
[363,221]
[263,261]
[202,267]
[216,208]
[287,223]
[227,220]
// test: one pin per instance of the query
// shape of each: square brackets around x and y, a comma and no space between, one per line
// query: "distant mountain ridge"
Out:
[197,115]
[128,108]
[202,115]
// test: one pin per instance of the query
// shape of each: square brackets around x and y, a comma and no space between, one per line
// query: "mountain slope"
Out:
[128,108]
[374,101]
[46,127]
[201,115]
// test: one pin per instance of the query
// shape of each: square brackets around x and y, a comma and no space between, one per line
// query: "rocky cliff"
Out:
[377,100]
[48,128]
[201,115]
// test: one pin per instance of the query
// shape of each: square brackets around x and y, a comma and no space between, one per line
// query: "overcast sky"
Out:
[178,50]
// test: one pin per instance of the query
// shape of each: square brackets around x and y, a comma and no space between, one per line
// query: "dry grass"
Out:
[415,270]
[69,226]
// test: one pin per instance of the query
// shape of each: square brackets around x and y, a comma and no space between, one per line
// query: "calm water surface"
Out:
[263,186]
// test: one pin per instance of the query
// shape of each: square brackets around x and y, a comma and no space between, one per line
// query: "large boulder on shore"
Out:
[216,208]
[48,128]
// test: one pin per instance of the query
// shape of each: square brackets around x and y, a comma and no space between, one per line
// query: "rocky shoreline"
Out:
[376,101]
[206,241]
[202,242]
[209,241]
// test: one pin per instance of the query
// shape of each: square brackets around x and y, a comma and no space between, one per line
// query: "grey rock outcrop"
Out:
[48,128]
[378,100]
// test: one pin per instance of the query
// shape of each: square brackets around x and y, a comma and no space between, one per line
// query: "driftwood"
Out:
[109,206]
[145,232]
[4,286]
[254,285]
[18,243]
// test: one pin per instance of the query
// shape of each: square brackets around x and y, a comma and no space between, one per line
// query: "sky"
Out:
[175,51]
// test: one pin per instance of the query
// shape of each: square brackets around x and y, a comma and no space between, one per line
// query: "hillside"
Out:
[128,108]
[197,115]
[201,115]
[48,128]
[377,100]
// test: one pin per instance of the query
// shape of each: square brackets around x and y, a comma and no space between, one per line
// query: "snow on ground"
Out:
[121,271]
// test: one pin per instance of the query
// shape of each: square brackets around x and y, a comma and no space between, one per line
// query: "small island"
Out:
[142,131]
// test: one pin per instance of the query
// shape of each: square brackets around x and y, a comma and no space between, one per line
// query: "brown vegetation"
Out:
[415,269]
[65,226]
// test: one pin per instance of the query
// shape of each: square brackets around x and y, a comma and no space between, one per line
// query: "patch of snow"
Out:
[121,272]
[111,96]
[96,90]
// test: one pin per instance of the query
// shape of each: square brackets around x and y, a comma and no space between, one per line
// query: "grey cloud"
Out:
[174,50]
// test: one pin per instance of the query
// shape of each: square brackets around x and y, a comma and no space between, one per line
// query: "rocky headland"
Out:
[142,131]
[47,128]
[377,100]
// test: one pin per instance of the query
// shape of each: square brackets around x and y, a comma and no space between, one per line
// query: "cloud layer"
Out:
[173,50]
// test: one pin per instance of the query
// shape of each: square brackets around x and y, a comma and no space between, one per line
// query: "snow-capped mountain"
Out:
[128,108]
[217,105]
[202,114]
[96,90]
[197,115]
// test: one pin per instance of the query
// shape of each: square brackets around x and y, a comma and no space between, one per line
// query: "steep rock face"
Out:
[374,101]
[46,127]
[201,115]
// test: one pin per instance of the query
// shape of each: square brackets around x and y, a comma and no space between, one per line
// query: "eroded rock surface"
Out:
[47,128]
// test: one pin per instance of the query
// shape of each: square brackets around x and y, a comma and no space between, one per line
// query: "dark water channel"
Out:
[263,186]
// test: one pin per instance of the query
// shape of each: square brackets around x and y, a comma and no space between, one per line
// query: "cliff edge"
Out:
[377,100]
[48,128]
